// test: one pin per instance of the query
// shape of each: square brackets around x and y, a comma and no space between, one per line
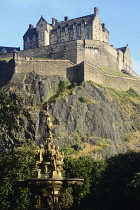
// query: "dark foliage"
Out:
[9,110]
[16,165]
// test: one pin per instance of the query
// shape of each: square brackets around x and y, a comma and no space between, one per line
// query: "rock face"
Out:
[85,114]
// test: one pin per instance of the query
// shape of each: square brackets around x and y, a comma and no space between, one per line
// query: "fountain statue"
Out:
[49,185]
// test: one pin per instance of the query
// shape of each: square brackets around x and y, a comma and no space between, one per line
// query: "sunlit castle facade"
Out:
[86,27]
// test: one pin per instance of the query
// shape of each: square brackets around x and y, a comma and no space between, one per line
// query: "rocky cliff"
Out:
[89,118]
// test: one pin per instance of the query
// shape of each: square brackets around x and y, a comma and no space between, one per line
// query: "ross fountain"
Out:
[47,188]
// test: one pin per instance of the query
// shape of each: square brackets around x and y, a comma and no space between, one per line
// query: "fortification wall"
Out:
[43,67]
[6,55]
[98,53]
[101,45]
[19,66]
[101,54]
[121,83]
[62,51]
[76,73]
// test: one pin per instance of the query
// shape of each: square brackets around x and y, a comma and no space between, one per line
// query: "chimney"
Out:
[30,26]
[95,10]
[103,25]
[66,18]
[54,21]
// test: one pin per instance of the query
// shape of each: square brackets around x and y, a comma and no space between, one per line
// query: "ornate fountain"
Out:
[47,188]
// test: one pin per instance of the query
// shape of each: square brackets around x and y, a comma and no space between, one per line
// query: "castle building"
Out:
[88,32]
[4,50]
[86,27]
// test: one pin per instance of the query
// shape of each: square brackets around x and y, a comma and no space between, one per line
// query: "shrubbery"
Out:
[14,165]
[111,184]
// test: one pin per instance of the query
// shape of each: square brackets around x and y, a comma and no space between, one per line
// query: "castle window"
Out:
[66,30]
[28,39]
[83,26]
[62,40]
[34,38]
[58,31]
[78,37]
[87,36]
[41,36]
[70,39]
[74,28]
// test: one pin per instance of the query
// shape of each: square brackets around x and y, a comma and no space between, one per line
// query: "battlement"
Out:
[41,66]
[16,69]
[98,53]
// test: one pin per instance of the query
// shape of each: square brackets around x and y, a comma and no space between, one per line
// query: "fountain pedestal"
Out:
[46,193]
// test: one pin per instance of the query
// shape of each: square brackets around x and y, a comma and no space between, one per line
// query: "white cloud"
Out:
[136,66]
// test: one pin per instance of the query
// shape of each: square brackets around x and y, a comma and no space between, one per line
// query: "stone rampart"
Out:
[101,45]
[19,66]
[62,51]
[101,54]
[76,73]
[121,83]
[42,67]
[98,53]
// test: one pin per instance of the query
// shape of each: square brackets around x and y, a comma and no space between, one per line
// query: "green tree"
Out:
[16,165]
[90,171]
[119,185]
[9,110]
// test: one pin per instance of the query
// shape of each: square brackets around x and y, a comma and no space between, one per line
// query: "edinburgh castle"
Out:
[78,49]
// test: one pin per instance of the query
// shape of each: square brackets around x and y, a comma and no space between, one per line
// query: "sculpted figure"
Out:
[38,200]
[41,153]
[59,170]
[49,148]
[53,157]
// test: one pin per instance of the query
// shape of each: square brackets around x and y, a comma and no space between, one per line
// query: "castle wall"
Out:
[120,83]
[101,54]
[76,73]
[64,51]
[23,65]
[97,53]
[43,67]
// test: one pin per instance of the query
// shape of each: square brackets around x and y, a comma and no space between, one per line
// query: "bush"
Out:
[63,84]
[10,109]
[87,168]
[16,165]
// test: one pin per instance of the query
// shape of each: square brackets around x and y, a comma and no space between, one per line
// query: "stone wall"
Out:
[121,83]
[42,67]
[23,65]
[101,54]
[63,51]
[76,73]
[98,53]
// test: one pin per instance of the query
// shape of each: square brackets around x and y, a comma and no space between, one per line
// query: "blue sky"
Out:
[120,16]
